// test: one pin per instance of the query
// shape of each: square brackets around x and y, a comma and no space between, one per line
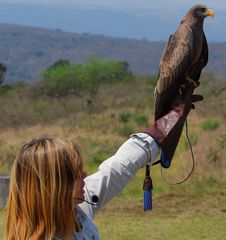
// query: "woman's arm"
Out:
[115,173]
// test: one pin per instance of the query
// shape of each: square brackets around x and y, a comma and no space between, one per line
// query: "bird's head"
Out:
[201,11]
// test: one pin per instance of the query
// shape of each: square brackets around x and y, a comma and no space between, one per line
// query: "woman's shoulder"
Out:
[88,228]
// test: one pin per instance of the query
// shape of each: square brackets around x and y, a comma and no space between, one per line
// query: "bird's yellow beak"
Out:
[210,13]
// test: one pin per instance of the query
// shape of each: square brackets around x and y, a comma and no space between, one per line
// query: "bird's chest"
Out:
[197,45]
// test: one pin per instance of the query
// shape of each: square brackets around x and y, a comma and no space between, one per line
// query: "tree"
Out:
[59,63]
[2,73]
[62,79]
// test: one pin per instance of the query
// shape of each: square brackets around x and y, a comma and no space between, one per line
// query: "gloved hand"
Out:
[167,130]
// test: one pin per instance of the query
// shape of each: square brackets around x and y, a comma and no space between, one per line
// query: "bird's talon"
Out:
[191,82]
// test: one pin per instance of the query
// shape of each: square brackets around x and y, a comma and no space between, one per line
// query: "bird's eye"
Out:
[203,9]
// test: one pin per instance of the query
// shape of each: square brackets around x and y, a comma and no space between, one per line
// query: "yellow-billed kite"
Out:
[183,59]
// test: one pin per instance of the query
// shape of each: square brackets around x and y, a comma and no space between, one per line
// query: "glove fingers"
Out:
[196,98]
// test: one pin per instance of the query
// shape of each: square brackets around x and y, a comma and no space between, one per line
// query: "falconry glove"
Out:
[167,130]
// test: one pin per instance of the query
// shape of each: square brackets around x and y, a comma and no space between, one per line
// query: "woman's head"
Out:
[43,178]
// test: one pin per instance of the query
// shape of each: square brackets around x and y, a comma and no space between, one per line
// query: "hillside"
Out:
[26,51]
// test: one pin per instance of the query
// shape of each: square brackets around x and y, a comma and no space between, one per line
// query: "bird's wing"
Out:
[202,61]
[205,51]
[176,59]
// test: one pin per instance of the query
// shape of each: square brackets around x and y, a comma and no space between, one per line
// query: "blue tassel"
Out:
[147,187]
[147,200]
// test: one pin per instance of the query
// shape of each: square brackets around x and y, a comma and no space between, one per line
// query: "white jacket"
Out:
[112,176]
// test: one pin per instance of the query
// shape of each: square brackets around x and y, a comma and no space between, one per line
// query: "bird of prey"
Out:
[183,59]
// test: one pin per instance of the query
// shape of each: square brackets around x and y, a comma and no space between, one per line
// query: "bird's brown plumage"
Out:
[184,57]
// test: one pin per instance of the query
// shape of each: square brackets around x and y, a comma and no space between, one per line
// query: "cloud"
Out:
[123,5]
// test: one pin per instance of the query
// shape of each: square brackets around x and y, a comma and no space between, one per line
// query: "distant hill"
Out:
[27,51]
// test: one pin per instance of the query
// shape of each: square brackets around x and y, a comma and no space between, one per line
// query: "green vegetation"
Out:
[124,117]
[121,107]
[140,119]
[152,81]
[211,124]
[4,90]
[62,79]
[126,130]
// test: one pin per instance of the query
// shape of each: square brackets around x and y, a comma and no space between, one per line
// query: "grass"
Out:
[195,224]
[200,221]
[180,212]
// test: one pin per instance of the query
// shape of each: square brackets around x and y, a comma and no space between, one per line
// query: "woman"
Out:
[51,195]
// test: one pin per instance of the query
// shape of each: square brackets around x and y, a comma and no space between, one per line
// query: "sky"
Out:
[141,13]
[133,6]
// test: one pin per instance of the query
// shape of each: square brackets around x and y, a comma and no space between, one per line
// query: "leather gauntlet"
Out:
[167,130]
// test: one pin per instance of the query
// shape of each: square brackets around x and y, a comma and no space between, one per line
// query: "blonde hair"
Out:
[40,203]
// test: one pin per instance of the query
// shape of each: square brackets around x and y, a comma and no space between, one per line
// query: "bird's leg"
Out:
[188,82]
